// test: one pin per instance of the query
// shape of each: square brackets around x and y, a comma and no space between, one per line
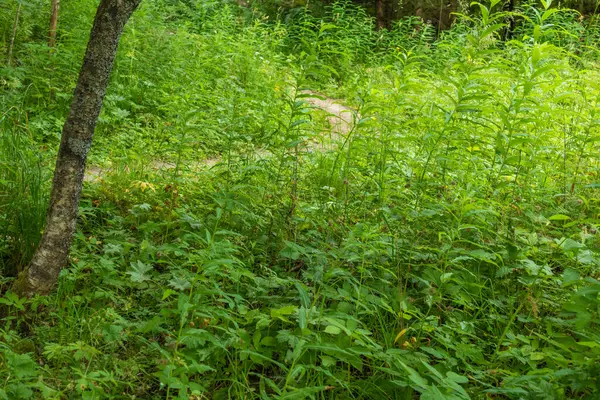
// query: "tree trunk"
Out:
[384,13]
[53,23]
[14,35]
[52,253]
[510,26]
[380,14]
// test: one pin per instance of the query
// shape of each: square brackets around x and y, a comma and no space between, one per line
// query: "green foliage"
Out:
[23,193]
[239,242]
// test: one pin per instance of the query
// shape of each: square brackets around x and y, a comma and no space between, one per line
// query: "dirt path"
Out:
[339,116]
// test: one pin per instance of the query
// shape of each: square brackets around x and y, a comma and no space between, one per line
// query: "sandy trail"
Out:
[340,117]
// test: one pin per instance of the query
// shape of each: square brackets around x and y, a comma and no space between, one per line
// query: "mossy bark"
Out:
[53,251]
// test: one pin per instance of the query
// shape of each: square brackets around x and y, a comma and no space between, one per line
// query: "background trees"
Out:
[53,22]
[33,24]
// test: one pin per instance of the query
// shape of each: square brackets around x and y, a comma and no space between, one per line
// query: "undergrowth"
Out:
[442,246]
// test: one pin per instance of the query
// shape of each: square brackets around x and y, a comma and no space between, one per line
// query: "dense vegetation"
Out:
[233,242]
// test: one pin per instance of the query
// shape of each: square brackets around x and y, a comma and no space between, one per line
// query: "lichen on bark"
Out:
[53,251]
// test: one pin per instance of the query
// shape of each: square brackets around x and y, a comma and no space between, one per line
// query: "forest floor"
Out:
[421,223]
[339,116]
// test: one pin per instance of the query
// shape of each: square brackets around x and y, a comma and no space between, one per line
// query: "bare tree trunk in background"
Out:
[390,12]
[419,10]
[452,8]
[384,13]
[14,35]
[380,14]
[510,26]
[53,251]
[53,23]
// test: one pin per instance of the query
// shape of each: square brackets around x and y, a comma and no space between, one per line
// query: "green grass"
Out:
[445,247]
[23,193]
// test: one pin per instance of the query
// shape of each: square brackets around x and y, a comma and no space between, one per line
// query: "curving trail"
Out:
[340,117]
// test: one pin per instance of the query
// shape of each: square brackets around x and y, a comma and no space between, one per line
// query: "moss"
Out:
[21,285]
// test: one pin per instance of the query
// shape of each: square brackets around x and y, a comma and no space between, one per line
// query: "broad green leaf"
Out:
[570,277]
[138,272]
[456,377]
[559,217]
[334,330]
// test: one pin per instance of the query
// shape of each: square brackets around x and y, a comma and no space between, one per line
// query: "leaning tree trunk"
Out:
[53,251]
[53,23]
